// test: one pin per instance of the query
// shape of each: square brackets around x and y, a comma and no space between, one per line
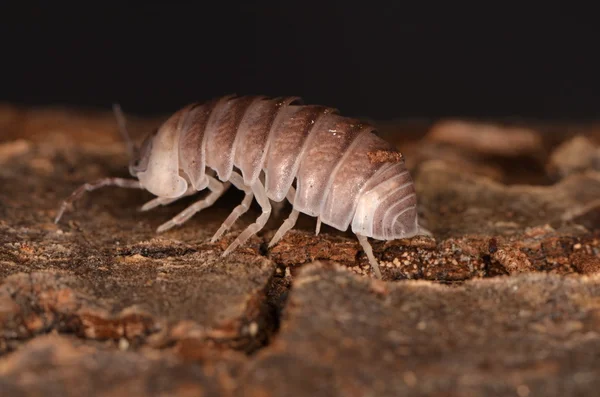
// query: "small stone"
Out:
[123,344]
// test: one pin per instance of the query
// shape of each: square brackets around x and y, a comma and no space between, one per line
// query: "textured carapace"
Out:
[328,166]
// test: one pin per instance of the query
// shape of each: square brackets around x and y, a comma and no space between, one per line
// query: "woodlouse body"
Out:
[328,166]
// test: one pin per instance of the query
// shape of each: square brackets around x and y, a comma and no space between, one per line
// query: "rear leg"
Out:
[237,181]
[216,188]
[364,242]
[261,197]
[318,229]
[289,223]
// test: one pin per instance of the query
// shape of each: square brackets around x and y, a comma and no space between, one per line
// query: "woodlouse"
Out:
[329,166]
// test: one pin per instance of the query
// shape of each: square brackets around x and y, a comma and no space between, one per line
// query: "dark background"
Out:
[381,60]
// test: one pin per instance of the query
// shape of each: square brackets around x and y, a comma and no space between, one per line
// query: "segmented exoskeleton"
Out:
[327,166]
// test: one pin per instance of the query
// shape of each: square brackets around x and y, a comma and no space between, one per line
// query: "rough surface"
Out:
[532,334]
[103,272]
[53,365]
[502,300]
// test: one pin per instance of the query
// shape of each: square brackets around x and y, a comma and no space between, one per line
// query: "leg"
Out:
[318,229]
[289,223]
[165,201]
[261,196]
[237,181]
[424,232]
[88,187]
[364,242]
[216,188]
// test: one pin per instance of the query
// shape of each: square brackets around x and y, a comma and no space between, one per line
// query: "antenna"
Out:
[131,149]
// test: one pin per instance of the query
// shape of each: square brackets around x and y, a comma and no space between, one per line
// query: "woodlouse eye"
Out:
[140,162]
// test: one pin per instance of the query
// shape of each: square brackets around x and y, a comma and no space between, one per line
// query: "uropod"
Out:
[326,165]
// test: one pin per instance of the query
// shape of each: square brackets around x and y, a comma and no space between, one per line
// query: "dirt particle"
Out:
[253,329]
[385,156]
[9,150]
[123,344]
[409,378]
[523,391]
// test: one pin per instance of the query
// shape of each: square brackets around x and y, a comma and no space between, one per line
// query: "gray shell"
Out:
[343,173]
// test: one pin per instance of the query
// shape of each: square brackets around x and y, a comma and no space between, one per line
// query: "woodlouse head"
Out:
[157,164]
[140,157]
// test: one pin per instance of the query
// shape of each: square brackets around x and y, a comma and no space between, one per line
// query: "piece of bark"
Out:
[573,156]
[488,138]
[56,366]
[455,203]
[347,335]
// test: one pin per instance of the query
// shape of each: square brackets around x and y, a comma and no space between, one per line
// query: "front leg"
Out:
[165,201]
[216,187]
[88,187]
